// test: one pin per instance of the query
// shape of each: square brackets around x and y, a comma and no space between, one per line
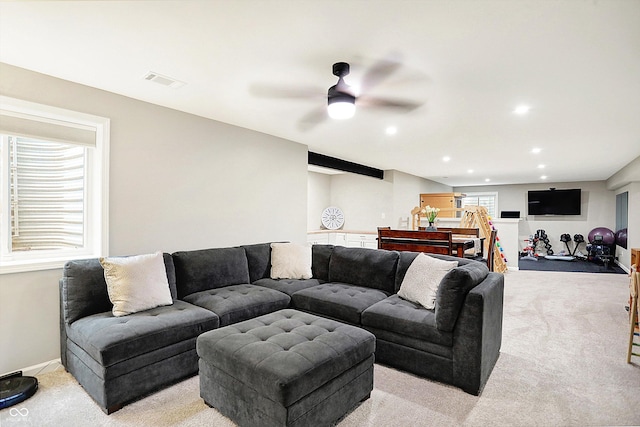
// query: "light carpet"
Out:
[562,363]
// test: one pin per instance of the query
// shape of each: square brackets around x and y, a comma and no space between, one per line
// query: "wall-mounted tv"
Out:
[554,202]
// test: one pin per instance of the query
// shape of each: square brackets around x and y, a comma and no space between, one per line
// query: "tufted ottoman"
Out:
[286,368]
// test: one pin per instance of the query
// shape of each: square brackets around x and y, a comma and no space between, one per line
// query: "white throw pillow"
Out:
[136,283]
[420,284]
[290,261]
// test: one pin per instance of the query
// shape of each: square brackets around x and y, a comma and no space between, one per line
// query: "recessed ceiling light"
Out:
[391,130]
[536,150]
[521,110]
[446,158]
[487,180]
[469,170]
[540,166]
[543,177]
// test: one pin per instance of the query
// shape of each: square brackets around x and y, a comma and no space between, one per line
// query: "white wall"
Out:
[628,179]
[364,200]
[634,220]
[597,210]
[368,203]
[177,182]
[319,193]
[406,194]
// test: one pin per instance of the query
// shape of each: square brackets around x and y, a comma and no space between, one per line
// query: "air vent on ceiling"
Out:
[163,80]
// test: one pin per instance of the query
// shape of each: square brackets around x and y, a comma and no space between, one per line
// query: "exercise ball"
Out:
[608,238]
[621,237]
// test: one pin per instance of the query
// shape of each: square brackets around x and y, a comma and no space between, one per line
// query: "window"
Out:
[488,200]
[53,186]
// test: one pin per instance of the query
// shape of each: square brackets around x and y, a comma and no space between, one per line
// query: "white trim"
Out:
[58,115]
[40,368]
[97,224]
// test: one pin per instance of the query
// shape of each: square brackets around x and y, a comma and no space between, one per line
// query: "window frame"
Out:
[97,191]
[493,194]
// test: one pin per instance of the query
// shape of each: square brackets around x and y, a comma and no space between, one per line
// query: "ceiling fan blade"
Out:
[378,72]
[274,91]
[370,101]
[312,119]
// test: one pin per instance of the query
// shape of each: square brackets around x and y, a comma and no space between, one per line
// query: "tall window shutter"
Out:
[486,200]
[47,194]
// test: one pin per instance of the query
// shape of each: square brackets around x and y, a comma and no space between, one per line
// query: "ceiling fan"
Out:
[341,98]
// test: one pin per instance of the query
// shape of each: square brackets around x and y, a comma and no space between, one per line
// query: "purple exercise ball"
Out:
[621,237]
[608,238]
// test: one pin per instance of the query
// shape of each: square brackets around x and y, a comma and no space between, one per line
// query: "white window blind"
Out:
[47,194]
[488,200]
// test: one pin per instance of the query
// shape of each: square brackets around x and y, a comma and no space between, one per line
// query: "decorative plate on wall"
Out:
[332,218]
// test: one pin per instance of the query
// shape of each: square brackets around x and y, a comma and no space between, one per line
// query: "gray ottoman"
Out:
[286,368]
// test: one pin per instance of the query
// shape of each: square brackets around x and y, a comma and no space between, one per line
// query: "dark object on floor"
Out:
[15,388]
[578,238]
[577,266]
[541,236]
[599,251]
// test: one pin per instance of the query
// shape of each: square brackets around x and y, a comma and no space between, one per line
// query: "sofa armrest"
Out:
[478,334]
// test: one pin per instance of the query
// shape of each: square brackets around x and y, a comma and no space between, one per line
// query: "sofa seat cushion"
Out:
[288,286]
[339,301]
[287,354]
[110,340]
[404,317]
[239,302]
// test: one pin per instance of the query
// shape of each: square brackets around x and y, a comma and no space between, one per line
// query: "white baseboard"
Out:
[622,266]
[41,368]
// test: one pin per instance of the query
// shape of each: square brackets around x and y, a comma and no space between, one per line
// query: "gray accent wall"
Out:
[177,182]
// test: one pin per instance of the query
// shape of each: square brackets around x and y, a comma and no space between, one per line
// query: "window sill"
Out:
[25,266]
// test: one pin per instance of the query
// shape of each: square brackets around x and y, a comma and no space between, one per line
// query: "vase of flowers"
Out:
[431,214]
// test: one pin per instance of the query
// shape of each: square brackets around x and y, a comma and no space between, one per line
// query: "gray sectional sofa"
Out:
[120,359]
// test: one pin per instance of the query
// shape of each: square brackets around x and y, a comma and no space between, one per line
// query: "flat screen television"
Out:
[554,202]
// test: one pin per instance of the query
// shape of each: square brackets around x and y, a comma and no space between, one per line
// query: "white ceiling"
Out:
[575,63]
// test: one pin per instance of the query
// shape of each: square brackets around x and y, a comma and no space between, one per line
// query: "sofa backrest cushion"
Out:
[454,287]
[406,258]
[320,256]
[259,260]
[205,269]
[84,289]
[370,268]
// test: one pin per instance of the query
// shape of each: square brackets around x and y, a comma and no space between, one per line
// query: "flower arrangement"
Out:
[430,213]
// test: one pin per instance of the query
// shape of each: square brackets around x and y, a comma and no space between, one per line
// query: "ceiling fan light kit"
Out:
[341,103]
[341,109]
